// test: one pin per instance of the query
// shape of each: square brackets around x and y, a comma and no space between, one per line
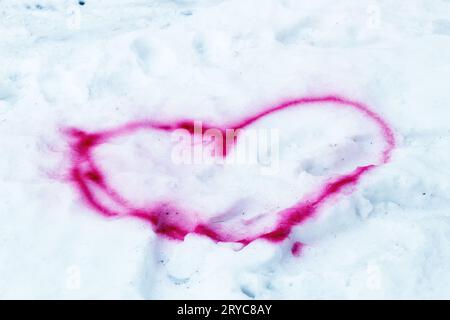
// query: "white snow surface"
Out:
[108,62]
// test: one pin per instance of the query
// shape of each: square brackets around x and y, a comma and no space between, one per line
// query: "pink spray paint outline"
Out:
[87,175]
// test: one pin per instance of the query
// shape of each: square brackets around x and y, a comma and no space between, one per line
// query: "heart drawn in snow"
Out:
[327,144]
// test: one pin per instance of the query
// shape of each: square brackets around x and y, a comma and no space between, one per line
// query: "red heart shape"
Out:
[171,221]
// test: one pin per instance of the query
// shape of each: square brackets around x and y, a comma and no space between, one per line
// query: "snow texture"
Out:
[106,63]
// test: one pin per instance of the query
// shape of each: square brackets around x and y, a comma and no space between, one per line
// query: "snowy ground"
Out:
[107,62]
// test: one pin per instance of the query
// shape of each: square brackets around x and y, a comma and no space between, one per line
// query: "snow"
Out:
[109,62]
